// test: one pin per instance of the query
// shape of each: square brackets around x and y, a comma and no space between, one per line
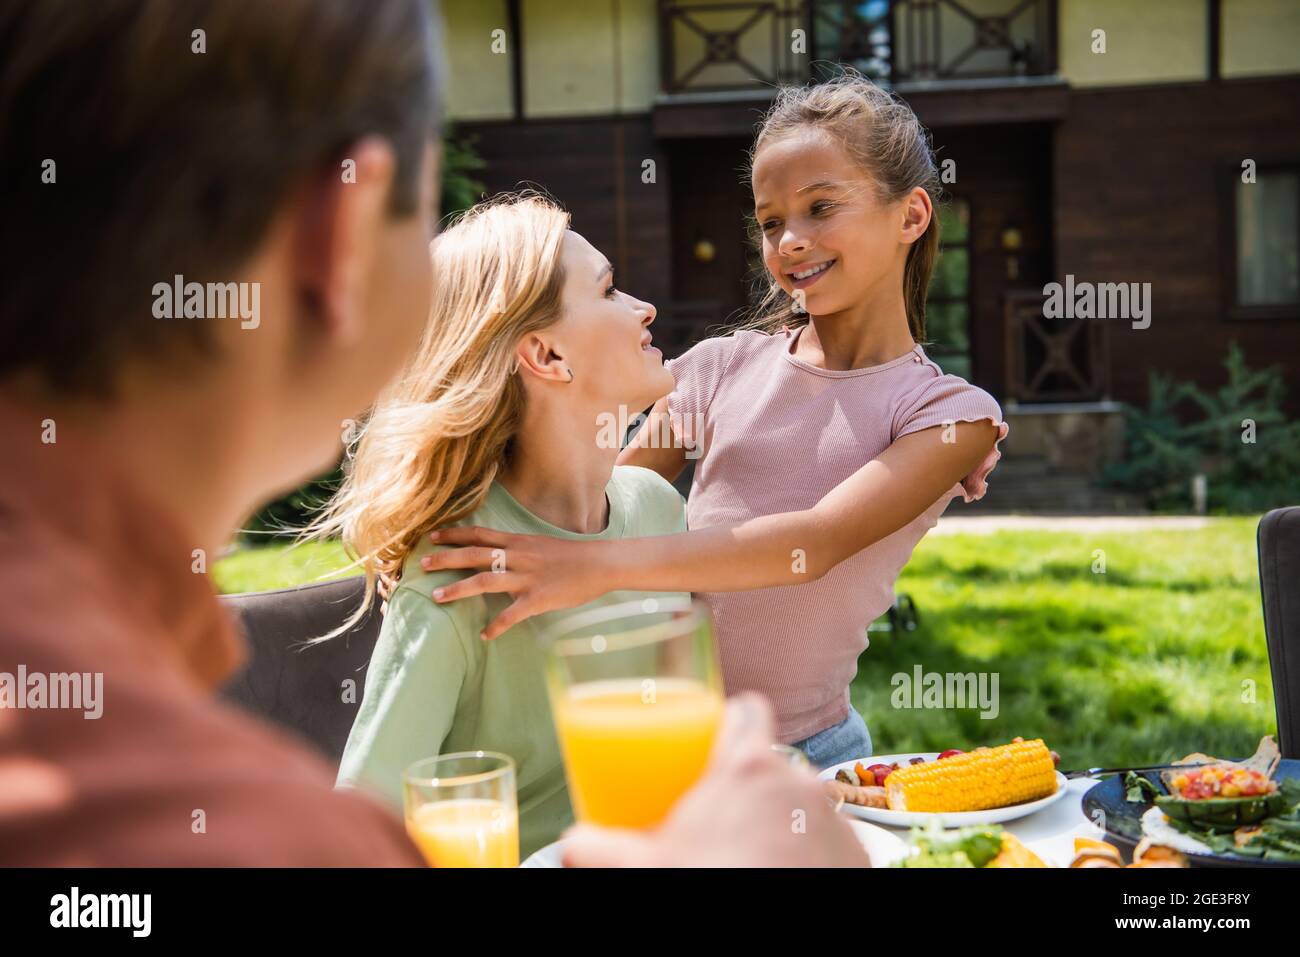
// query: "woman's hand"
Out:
[542,573]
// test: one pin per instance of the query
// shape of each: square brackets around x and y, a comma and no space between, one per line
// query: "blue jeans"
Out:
[845,741]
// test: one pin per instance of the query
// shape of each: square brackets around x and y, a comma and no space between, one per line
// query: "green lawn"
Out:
[277,566]
[1143,663]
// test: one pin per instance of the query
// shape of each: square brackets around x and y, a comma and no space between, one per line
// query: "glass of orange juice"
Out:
[636,695]
[461,809]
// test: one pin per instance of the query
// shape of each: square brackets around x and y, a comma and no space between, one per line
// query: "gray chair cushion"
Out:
[302,688]
[1279,581]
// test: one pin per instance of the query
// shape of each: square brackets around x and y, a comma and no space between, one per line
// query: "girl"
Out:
[528,349]
[829,442]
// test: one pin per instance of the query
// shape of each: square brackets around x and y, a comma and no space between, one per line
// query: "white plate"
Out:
[552,855]
[995,815]
[883,847]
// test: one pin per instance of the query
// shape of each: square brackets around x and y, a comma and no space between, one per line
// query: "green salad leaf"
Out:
[1138,789]
[965,847]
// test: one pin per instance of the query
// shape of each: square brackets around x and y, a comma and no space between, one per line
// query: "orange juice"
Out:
[466,832]
[633,747]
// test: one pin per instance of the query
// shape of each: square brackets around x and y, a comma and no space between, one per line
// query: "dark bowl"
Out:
[1124,818]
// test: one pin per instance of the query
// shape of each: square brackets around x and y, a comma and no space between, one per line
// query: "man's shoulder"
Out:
[169,777]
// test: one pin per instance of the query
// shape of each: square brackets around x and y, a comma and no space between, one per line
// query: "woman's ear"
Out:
[917,213]
[342,217]
[536,356]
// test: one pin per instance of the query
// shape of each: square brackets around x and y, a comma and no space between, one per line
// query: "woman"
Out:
[500,420]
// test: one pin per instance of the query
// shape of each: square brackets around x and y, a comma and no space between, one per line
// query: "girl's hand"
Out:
[543,573]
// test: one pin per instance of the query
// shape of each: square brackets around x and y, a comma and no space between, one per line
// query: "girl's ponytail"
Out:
[916,276]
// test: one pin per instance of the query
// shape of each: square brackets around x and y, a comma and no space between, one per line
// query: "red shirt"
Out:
[95,581]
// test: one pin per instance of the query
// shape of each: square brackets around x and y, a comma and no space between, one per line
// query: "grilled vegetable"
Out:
[1220,781]
[983,778]
[876,774]
[1264,761]
[1224,795]
[1276,838]
[1222,813]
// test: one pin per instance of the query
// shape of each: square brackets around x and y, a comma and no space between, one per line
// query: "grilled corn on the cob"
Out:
[980,779]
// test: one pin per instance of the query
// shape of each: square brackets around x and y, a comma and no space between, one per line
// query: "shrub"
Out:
[1237,436]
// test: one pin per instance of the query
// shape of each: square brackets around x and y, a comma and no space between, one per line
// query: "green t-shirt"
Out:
[435,687]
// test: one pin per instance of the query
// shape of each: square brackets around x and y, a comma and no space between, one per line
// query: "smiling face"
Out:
[828,237]
[604,334]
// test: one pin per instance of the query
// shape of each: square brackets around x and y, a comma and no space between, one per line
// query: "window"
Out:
[851,34]
[1265,282]
[947,309]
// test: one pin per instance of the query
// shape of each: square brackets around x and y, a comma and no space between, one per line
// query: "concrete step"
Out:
[1053,495]
[1029,484]
[1011,465]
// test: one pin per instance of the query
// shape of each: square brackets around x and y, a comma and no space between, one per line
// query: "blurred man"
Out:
[275,162]
[215,239]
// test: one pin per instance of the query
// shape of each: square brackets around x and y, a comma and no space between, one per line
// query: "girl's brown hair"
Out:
[881,134]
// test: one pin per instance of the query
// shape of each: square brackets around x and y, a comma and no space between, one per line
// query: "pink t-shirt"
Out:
[774,435]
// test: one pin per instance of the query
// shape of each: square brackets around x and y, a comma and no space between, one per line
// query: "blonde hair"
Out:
[440,434]
[883,136]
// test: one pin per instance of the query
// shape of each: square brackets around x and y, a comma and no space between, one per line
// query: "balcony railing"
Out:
[738,45]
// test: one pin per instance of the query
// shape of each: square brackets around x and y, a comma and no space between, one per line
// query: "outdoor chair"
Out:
[299,687]
[902,616]
[1279,580]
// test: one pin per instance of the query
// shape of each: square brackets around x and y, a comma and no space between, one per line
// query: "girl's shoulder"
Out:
[701,369]
[723,349]
[927,396]
[926,381]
